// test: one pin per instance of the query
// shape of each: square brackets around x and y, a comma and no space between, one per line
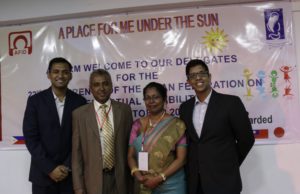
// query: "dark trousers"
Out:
[199,187]
[52,189]
[109,182]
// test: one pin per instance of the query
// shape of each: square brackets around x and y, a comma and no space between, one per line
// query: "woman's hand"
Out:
[139,177]
[153,182]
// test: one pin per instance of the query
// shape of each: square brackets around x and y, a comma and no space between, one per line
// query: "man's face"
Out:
[101,87]
[199,79]
[60,75]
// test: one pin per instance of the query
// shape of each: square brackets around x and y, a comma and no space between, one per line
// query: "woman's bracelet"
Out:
[163,176]
[133,170]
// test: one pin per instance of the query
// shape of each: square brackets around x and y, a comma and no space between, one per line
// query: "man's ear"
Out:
[188,81]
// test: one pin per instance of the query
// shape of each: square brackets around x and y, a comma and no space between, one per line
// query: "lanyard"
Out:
[104,119]
[143,138]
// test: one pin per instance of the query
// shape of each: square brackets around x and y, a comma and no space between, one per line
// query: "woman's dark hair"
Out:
[162,90]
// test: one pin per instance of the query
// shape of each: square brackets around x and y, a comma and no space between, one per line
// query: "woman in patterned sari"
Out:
[158,138]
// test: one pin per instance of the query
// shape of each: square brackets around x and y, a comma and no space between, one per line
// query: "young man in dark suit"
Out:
[101,132]
[219,135]
[47,128]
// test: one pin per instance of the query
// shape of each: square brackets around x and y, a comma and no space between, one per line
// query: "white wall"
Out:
[272,169]
[16,11]
[275,169]
[14,168]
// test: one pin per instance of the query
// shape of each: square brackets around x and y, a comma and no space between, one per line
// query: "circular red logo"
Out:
[279,132]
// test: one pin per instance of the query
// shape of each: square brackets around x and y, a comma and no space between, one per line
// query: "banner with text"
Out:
[249,49]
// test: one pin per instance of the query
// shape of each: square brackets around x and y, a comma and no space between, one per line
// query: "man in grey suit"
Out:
[92,172]
[219,135]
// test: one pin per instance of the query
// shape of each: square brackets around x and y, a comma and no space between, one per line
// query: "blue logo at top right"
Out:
[274,24]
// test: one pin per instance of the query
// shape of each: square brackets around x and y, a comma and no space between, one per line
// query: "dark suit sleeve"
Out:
[180,112]
[31,131]
[67,162]
[241,128]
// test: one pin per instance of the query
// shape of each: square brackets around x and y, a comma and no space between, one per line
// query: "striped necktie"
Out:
[108,139]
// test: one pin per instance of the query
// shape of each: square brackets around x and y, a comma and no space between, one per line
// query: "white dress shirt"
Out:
[100,120]
[59,106]
[199,113]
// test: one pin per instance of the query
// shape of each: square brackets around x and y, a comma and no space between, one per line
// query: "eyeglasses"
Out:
[202,74]
[152,98]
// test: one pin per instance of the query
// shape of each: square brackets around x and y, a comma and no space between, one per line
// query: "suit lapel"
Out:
[116,116]
[189,116]
[67,108]
[49,98]
[91,120]
[212,108]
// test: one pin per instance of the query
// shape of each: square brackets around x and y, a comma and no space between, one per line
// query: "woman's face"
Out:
[153,101]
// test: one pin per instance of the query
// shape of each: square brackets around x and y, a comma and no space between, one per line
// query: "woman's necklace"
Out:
[152,125]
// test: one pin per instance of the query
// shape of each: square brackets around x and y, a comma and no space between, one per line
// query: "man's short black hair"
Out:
[193,63]
[58,60]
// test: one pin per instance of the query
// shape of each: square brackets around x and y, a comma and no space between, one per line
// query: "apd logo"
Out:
[274,24]
[20,43]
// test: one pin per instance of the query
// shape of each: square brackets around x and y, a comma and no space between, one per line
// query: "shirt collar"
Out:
[56,98]
[98,104]
[206,101]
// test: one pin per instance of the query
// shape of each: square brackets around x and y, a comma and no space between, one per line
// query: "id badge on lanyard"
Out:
[143,157]
[143,161]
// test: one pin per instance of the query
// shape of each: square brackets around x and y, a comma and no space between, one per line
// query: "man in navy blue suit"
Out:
[47,128]
[219,135]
